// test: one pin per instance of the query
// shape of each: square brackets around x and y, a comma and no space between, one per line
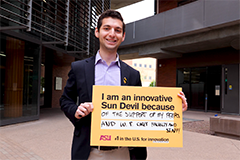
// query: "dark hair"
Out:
[112,14]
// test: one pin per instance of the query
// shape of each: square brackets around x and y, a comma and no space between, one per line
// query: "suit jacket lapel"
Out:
[124,74]
[90,74]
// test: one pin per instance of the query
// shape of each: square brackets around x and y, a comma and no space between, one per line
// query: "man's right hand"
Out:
[83,110]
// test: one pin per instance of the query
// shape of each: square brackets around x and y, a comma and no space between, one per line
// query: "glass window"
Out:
[192,81]
[150,66]
[19,79]
[2,72]
[140,65]
[135,64]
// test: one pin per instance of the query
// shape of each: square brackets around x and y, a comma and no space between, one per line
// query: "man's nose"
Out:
[112,32]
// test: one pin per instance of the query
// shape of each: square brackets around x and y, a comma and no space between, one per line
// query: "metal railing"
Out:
[68,24]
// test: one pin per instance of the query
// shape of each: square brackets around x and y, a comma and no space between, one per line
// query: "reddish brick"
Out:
[59,71]
[166,73]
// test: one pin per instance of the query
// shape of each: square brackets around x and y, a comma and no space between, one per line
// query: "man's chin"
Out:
[111,48]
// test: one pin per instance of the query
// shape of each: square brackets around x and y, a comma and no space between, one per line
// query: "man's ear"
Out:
[123,36]
[96,32]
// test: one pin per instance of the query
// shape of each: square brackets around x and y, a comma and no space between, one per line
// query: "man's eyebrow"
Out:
[119,28]
[106,25]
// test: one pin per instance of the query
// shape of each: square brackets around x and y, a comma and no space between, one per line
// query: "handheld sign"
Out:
[136,116]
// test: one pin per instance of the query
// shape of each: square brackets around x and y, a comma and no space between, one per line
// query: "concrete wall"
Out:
[225,126]
[202,15]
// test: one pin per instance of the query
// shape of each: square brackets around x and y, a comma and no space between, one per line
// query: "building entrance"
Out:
[201,87]
[46,78]
[19,69]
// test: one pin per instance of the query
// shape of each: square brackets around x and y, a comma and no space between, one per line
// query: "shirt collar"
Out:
[99,58]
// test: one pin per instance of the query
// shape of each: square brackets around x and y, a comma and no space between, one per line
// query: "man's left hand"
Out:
[184,101]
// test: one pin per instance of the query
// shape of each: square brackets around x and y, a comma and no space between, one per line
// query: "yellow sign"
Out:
[136,116]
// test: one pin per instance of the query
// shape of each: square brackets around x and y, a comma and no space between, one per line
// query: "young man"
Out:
[103,69]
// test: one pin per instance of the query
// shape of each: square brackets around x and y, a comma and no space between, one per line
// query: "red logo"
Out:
[105,138]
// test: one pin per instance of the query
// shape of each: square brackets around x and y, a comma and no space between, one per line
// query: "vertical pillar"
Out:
[67,22]
[89,27]
[29,17]
[13,94]
[48,77]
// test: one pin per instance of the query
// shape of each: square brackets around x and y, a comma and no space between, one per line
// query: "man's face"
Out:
[110,34]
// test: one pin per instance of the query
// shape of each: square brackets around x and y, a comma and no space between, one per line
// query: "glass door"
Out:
[201,87]
[198,86]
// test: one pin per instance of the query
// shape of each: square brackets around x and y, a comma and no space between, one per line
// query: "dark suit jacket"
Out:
[79,84]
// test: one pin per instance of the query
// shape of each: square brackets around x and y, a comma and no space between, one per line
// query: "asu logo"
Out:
[125,80]
[105,138]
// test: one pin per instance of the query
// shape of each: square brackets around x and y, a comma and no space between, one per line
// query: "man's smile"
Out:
[111,40]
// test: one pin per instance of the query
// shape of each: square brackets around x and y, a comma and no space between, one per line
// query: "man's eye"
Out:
[106,29]
[118,31]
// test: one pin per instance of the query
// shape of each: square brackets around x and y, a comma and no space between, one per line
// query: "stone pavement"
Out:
[50,139]
[46,139]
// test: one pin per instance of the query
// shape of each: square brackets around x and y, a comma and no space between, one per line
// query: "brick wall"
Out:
[165,5]
[59,71]
[166,73]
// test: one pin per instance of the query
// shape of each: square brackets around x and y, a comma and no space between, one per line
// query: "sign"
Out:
[58,83]
[217,90]
[136,116]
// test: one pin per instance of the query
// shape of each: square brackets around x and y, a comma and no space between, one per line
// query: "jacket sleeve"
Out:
[68,99]
[139,83]
[138,153]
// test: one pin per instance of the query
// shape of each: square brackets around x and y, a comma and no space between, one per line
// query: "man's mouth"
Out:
[111,40]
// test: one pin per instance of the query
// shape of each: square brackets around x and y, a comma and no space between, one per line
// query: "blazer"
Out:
[79,84]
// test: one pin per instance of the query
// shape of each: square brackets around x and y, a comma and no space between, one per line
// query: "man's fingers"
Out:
[184,101]
[89,106]
[79,114]
[84,109]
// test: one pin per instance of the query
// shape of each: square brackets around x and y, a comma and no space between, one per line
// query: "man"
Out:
[103,69]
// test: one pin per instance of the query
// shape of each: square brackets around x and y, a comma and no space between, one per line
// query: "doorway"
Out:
[201,86]
[46,78]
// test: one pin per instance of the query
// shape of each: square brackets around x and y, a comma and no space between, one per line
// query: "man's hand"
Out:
[184,101]
[83,110]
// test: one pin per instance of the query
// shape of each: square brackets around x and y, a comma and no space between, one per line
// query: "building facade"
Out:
[147,69]
[196,43]
[39,40]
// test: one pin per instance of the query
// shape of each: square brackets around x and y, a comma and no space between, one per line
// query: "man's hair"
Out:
[112,14]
